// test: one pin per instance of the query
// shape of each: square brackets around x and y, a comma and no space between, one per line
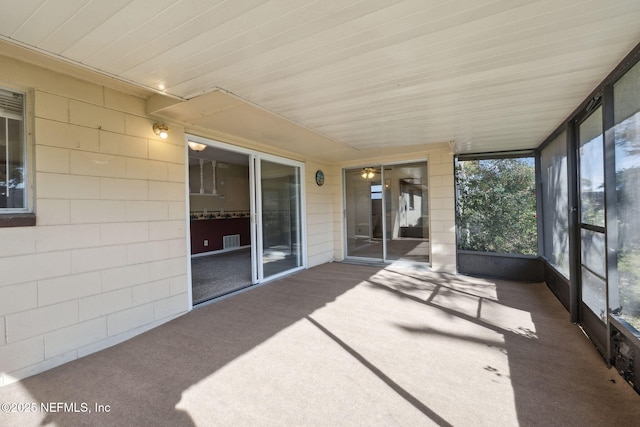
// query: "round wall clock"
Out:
[319,177]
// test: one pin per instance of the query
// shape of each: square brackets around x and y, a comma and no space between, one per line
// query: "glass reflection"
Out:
[281,250]
[363,188]
[407,213]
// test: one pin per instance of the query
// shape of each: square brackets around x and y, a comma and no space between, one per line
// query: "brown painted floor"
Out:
[344,344]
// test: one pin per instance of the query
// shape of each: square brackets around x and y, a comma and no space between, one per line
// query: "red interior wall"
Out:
[213,230]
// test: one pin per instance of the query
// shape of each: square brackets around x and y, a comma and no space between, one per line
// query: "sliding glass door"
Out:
[246,218]
[386,215]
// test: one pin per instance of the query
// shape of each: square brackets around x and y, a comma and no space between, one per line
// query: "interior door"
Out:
[593,269]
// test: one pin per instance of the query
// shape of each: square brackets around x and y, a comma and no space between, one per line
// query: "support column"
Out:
[442,212]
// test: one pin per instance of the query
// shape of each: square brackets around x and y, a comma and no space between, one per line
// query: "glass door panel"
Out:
[407,212]
[592,215]
[364,212]
[281,217]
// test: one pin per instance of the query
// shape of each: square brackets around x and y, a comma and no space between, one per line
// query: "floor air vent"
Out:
[231,241]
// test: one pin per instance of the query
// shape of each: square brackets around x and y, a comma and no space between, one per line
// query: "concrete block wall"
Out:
[107,257]
[442,211]
[321,212]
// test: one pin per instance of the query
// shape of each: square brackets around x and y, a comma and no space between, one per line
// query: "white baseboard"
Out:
[220,251]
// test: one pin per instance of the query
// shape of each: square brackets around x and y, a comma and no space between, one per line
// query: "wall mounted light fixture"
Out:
[161,130]
[196,146]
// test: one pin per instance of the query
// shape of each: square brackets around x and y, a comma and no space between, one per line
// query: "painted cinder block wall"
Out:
[107,257]
[323,214]
[442,211]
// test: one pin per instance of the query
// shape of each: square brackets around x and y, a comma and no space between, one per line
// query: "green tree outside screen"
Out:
[496,206]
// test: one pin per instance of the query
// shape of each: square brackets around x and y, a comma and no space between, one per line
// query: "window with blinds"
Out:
[13,173]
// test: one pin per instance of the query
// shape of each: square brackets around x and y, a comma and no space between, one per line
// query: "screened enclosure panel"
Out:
[593,291]
[496,205]
[627,155]
[555,203]
[592,250]
[592,170]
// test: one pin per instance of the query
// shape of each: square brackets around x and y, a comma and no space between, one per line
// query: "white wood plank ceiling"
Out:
[489,75]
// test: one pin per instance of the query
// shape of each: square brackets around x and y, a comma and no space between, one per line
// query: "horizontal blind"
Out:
[11,105]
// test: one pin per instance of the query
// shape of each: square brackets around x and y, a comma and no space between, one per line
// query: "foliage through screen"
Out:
[496,206]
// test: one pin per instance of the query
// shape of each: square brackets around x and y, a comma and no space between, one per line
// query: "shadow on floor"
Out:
[143,379]
[556,375]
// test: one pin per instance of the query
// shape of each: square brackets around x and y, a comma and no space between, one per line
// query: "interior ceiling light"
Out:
[195,146]
[368,173]
[161,130]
